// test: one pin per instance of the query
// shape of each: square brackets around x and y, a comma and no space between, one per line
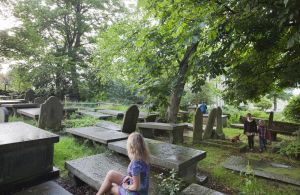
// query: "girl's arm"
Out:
[135,186]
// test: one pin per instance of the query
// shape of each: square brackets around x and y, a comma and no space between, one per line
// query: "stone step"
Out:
[195,189]
[96,115]
[98,134]
[109,125]
[47,188]
[239,147]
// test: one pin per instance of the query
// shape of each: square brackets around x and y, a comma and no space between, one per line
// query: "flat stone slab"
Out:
[16,133]
[47,188]
[21,105]
[14,101]
[195,189]
[98,134]
[95,114]
[164,154]
[116,113]
[237,126]
[30,112]
[109,125]
[239,147]
[93,169]
[160,126]
[268,170]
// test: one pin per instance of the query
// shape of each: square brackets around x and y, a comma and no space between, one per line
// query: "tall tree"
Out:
[58,38]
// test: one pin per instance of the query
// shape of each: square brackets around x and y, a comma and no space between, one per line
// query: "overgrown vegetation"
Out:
[169,184]
[292,110]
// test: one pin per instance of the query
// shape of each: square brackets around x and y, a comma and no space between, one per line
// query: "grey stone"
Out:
[170,156]
[21,105]
[109,125]
[269,170]
[93,169]
[118,114]
[98,134]
[175,130]
[198,127]
[26,152]
[47,188]
[30,112]
[219,129]
[195,189]
[14,101]
[29,95]
[224,120]
[51,114]
[40,100]
[3,115]
[237,126]
[130,119]
[208,132]
[96,115]
[226,144]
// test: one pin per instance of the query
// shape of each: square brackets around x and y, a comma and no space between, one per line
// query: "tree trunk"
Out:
[179,84]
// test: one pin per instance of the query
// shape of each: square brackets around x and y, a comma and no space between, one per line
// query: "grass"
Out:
[68,149]
[23,119]
[85,121]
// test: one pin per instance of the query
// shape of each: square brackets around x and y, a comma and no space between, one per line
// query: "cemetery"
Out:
[149,97]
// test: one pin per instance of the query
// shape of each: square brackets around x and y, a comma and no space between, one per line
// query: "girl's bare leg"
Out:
[110,178]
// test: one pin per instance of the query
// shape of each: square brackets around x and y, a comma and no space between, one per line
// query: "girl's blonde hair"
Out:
[137,148]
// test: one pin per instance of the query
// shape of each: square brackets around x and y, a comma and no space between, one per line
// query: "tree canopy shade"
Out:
[56,39]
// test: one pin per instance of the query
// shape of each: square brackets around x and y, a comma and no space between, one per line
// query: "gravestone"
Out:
[29,95]
[198,127]
[51,114]
[219,130]
[195,189]
[40,100]
[130,119]
[210,124]
[3,115]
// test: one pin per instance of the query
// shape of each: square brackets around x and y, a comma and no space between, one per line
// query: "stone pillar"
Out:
[210,124]
[51,114]
[219,130]
[130,119]
[39,100]
[198,127]
[271,135]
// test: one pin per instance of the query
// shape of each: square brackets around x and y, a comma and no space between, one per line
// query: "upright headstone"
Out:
[40,100]
[198,127]
[270,136]
[3,115]
[130,119]
[219,130]
[210,124]
[29,95]
[51,114]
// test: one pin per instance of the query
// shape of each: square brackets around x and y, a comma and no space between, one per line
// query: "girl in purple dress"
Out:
[137,180]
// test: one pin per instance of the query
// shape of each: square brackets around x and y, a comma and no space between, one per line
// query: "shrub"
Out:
[170,185]
[264,104]
[251,185]
[291,148]
[292,110]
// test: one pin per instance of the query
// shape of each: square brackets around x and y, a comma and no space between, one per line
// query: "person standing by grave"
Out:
[262,135]
[137,180]
[250,128]
[203,107]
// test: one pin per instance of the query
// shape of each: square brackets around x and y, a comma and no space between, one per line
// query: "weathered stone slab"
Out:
[93,169]
[198,127]
[237,126]
[96,115]
[175,130]
[273,171]
[117,113]
[21,105]
[26,153]
[226,144]
[3,115]
[170,156]
[195,189]
[109,125]
[30,112]
[51,114]
[14,101]
[130,119]
[98,134]
[47,188]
